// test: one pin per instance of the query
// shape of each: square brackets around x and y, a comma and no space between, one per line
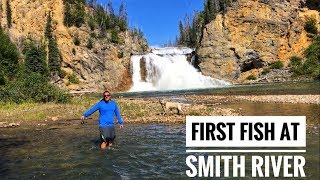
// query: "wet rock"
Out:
[54,118]
[10,125]
[14,124]
[3,124]
[41,124]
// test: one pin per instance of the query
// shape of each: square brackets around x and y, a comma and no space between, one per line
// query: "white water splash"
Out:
[168,69]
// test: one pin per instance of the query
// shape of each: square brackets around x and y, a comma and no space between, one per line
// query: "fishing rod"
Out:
[74,119]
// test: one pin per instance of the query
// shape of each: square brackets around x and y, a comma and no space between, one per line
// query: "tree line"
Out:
[190,30]
[25,76]
[101,17]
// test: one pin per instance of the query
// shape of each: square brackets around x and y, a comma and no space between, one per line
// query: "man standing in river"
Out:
[107,109]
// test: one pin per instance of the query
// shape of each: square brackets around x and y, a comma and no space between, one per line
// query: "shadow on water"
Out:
[6,146]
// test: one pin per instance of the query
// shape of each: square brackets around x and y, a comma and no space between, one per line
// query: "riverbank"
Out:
[293,99]
[133,110]
[147,110]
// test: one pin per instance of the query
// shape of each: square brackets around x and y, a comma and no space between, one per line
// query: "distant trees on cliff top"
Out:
[98,16]
[190,31]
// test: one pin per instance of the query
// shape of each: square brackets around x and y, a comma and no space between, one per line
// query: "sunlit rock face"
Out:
[105,66]
[253,34]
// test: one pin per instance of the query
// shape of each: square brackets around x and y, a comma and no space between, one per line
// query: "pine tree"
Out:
[8,10]
[115,36]
[9,56]
[181,30]
[79,14]
[35,59]
[74,12]
[54,61]
[67,15]
[48,31]
[101,19]
[89,44]
[122,17]
[111,14]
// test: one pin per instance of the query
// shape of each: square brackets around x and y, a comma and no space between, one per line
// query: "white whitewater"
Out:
[168,69]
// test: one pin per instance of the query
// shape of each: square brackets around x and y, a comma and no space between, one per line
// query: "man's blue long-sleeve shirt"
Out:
[107,111]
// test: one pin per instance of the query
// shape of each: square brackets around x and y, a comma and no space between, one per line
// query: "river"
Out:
[140,151]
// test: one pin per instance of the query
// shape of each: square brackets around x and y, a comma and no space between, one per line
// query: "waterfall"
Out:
[168,69]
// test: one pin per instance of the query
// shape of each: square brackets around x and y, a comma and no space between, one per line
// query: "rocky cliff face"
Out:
[251,35]
[105,66]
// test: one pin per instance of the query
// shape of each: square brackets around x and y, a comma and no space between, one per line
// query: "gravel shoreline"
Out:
[295,99]
[148,110]
[292,99]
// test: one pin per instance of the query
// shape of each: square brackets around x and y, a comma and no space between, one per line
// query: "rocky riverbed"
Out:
[149,110]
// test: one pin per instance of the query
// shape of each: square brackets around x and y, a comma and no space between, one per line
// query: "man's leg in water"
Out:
[107,135]
[103,145]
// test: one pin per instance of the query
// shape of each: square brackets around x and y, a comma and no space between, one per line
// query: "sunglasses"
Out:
[107,95]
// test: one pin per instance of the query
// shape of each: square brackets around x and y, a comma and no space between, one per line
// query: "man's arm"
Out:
[91,110]
[118,115]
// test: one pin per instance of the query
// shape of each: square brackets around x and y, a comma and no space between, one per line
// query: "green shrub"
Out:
[120,55]
[144,47]
[115,36]
[311,66]
[309,35]
[73,51]
[74,12]
[3,79]
[313,4]
[89,44]
[311,25]
[265,71]
[9,56]
[76,40]
[32,87]
[93,35]
[251,77]
[276,65]
[313,51]
[9,13]
[91,23]
[73,79]
[62,73]
[35,59]
[295,61]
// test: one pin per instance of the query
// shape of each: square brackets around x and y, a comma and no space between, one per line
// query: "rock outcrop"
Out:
[251,35]
[105,66]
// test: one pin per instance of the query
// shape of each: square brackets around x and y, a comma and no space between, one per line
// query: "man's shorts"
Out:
[107,134]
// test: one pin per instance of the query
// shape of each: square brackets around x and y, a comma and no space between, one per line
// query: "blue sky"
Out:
[158,19]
